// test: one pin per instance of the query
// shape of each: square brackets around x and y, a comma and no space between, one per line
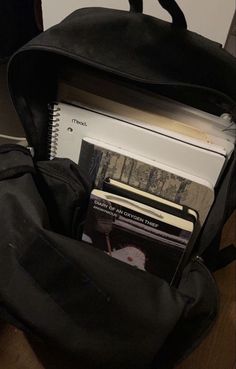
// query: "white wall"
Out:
[211,18]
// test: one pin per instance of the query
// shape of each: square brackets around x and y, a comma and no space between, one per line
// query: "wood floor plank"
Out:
[218,350]
[15,351]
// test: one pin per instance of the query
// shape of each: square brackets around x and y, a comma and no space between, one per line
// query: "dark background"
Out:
[20,20]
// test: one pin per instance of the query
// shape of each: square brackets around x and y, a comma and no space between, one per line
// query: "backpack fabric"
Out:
[99,311]
[96,309]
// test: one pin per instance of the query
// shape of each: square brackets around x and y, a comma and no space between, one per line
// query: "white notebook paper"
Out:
[70,124]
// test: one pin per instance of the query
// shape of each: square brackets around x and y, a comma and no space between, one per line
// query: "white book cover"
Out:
[73,123]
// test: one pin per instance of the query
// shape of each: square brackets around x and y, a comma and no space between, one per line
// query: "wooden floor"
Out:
[217,351]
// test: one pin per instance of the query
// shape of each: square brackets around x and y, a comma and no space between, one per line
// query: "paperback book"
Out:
[144,237]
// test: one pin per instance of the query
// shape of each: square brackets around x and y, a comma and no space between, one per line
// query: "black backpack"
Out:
[100,312]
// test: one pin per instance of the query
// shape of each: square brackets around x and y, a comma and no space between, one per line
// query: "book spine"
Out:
[145,200]
[88,161]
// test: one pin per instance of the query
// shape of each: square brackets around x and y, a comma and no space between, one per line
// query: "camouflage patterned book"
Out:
[102,160]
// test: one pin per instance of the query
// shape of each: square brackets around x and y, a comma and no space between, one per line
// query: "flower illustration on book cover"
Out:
[130,255]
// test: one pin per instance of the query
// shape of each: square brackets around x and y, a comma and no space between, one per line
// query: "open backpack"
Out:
[101,312]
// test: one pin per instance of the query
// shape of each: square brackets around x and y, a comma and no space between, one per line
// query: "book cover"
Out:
[146,238]
[101,161]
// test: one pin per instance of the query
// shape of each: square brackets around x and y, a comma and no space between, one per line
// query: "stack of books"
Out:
[154,164]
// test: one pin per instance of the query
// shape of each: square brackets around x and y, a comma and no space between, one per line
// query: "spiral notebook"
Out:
[70,124]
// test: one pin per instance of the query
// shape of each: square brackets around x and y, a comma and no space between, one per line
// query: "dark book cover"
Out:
[140,237]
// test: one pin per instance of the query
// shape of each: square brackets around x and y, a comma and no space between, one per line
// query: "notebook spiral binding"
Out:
[53,129]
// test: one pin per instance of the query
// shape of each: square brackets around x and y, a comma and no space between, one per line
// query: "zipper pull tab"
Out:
[31,150]
[199,259]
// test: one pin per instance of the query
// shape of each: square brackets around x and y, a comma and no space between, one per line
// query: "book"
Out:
[118,90]
[101,160]
[73,123]
[144,237]
[161,117]
[133,193]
